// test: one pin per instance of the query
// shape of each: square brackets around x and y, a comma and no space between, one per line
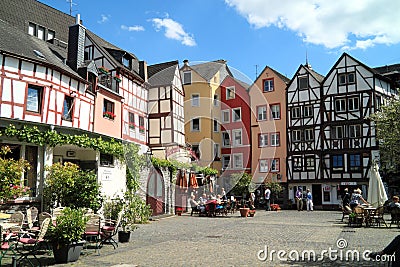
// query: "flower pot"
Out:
[252,213]
[67,253]
[179,213]
[124,236]
[244,212]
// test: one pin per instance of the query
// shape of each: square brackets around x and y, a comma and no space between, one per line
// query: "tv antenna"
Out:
[256,70]
[71,3]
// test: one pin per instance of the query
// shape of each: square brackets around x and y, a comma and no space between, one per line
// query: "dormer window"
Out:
[126,62]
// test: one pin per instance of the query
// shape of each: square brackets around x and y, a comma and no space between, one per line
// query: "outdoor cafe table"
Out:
[368,213]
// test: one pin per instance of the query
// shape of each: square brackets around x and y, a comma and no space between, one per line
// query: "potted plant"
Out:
[66,233]
[103,70]
[178,211]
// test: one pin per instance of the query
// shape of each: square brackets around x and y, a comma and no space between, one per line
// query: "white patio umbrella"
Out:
[376,191]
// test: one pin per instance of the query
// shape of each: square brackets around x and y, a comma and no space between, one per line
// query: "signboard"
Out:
[327,187]
[106,175]
[348,183]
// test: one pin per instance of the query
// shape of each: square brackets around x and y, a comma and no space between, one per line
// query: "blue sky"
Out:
[247,33]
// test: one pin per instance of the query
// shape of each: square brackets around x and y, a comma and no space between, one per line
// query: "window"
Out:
[337,132]
[40,33]
[337,162]
[108,109]
[131,120]
[216,126]
[340,105]
[269,85]
[196,100]
[355,162]
[275,165]
[310,163]
[126,62]
[296,112]
[195,125]
[238,161]
[225,116]
[230,92]
[216,100]
[32,29]
[303,82]
[262,113]
[263,140]
[308,134]
[296,135]
[275,111]
[141,124]
[236,114]
[297,164]
[353,104]
[187,77]
[34,98]
[106,159]
[275,139]
[378,102]
[217,154]
[50,35]
[347,78]
[354,131]
[68,108]
[263,165]
[308,111]
[226,139]
[237,137]
[226,161]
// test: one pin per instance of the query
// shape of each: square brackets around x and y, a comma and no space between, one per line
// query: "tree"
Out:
[387,125]
[242,182]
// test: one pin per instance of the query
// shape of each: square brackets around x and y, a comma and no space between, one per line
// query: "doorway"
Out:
[317,194]
[155,192]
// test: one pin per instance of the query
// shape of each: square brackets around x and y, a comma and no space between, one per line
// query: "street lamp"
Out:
[149,154]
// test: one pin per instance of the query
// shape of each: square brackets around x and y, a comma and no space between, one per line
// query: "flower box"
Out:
[117,78]
[275,207]
[104,70]
[109,115]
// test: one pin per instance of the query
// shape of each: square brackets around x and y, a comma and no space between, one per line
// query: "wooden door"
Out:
[155,192]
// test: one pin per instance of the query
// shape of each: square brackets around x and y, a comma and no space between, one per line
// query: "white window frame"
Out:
[309,134]
[355,131]
[263,140]
[262,110]
[223,113]
[275,139]
[192,124]
[337,132]
[301,78]
[215,102]
[234,132]
[296,135]
[238,158]
[217,150]
[223,139]
[263,165]
[270,85]
[275,114]
[186,77]
[342,105]
[309,162]
[215,125]
[230,92]
[308,111]
[295,112]
[274,165]
[297,162]
[234,115]
[353,104]
[195,97]
[224,159]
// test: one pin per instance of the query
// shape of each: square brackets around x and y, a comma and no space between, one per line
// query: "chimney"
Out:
[76,44]
[186,62]
[143,70]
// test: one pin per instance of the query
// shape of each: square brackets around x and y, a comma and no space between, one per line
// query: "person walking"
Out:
[299,198]
[267,199]
[310,205]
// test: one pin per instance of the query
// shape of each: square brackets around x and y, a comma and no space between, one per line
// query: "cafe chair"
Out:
[377,218]
[93,231]
[28,244]
[31,216]
[346,210]
[6,244]
[17,218]
[110,230]
[356,218]
[395,217]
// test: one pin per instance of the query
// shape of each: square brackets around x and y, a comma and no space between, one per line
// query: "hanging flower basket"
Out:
[109,115]
[117,78]
[104,70]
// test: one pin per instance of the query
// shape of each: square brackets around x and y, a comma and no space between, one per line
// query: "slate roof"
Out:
[388,69]
[19,43]
[162,73]
[209,69]
[320,78]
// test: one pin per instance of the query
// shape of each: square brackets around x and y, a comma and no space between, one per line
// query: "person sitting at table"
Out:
[395,203]
[219,202]
[203,199]
[346,198]
[356,199]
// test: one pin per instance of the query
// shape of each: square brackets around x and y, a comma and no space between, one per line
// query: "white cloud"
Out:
[104,19]
[349,24]
[174,30]
[136,28]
